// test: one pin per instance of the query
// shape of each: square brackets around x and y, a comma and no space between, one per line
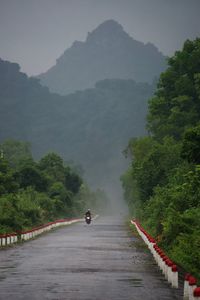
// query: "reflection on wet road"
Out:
[100,261]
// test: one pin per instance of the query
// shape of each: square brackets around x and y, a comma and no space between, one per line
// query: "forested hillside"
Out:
[89,127]
[32,193]
[108,52]
[162,184]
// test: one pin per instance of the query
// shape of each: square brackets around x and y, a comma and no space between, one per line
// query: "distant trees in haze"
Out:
[89,127]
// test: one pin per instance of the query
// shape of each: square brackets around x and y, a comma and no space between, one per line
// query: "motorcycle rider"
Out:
[88,217]
[88,214]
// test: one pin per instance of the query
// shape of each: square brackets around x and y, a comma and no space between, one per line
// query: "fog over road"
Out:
[101,261]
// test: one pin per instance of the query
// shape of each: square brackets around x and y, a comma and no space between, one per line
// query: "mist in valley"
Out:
[92,67]
[99,126]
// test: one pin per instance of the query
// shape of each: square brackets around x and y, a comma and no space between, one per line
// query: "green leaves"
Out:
[17,153]
[152,168]
[7,180]
[191,145]
[72,181]
[32,176]
[52,164]
[33,193]
[175,106]
[163,183]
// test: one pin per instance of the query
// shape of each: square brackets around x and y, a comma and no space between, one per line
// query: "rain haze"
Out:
[34,33]
[99,149]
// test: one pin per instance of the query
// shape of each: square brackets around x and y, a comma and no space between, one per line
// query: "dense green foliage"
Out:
[162,185]
[32,193]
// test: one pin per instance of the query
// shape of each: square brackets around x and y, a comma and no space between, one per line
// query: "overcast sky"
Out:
[34,33]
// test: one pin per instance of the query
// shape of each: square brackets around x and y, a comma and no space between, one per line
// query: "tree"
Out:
[31,176]
[152,163]
[165,173]
[52,164]
[191,145]
[17,153]
[7,180]
[176,105]
[72,181]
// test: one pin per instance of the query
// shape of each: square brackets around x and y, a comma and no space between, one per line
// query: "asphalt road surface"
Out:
[101,261]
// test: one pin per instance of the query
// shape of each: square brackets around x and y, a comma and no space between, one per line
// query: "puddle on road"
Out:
[104,249]
[2,277]
[85,270]
[7,267]
[136,282]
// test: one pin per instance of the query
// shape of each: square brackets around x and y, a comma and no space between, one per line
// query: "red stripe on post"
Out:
[192,280]
[174,268]
[196,292]
[187,277]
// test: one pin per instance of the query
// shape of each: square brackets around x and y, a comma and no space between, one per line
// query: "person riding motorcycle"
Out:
[88,213]
[88,216]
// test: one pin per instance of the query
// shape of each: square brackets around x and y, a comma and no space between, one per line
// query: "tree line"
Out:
[32,193]
[162,184]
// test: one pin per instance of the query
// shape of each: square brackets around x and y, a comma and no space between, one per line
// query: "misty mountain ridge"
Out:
[90,127]
[108,52]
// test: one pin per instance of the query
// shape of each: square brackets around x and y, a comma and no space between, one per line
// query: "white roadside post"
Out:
[174,278]
[192,287]
[196,293]
[186,287]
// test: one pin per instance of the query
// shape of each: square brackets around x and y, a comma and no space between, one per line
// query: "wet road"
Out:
[101,261]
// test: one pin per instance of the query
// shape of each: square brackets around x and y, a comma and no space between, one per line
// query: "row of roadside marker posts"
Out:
[12,238]
[169,269]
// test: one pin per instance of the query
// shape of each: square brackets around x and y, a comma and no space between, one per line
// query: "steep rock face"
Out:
[108,52]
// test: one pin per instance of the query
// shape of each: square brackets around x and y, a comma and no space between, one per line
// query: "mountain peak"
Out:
[109,25]
[108,29]
[108,52]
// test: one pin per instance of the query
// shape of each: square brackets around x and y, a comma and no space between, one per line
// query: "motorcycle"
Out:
[88,219]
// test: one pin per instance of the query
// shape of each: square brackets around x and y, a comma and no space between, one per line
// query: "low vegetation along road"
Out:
[82,262]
